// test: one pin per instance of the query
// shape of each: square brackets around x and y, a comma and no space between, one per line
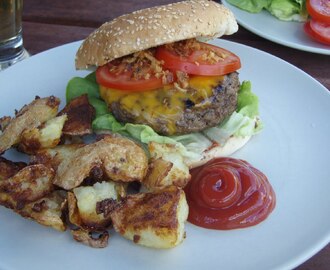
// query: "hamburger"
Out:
[163,83]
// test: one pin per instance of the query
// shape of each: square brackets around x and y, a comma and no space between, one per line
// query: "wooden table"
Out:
[48,23]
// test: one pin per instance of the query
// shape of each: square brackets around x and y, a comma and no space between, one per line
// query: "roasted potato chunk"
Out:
[120,158]
[166,168]
[48,211]
[28,185]
[80,116]
[83,206]
[47,136]
[152,219]
[30,116]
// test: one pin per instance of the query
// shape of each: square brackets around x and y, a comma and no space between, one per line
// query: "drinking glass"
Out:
[11,41]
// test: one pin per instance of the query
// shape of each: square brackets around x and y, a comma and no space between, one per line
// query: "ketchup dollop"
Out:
[228,193]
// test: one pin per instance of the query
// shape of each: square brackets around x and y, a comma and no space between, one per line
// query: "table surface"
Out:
[48,23]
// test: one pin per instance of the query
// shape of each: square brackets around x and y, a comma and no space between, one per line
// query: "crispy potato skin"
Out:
[152,219]
[4,122]
[80,115]
[52,157]
[48,211]
[30,116]
[9,168]
[86,238]
[120,158]
[28,185]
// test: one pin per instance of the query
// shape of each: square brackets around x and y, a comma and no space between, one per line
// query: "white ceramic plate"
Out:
[290,34]
[293,151]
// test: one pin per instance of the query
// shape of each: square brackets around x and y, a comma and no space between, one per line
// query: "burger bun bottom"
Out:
[231,146]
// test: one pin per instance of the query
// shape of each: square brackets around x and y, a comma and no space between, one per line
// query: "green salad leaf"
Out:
[253,6]
[79,86]
[286,10]
[91,77]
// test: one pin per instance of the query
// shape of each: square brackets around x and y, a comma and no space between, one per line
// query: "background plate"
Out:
[290,34]
[292,150]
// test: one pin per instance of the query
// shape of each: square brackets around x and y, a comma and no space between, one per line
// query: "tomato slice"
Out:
[318,31]
[124,80]
[194,63]
[319,10]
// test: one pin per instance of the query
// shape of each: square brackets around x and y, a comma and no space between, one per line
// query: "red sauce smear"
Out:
[228,193]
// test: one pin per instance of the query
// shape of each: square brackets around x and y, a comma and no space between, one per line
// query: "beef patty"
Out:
[172,111]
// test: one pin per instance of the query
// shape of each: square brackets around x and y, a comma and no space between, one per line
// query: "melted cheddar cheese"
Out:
[165,105]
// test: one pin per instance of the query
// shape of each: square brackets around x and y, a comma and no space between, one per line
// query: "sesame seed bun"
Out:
[155,26]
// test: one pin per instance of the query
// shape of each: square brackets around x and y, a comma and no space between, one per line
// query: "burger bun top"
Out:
[151,27]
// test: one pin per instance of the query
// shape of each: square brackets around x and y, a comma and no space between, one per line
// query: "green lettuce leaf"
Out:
[247,102]
[91,77]
[253,6]
[286,10]
[79,86]
[99,105]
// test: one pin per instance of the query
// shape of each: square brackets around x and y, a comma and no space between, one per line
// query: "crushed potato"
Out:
[84,187]
[47,136]
[152,219]
[167,167]
[30,116]
[86,198]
